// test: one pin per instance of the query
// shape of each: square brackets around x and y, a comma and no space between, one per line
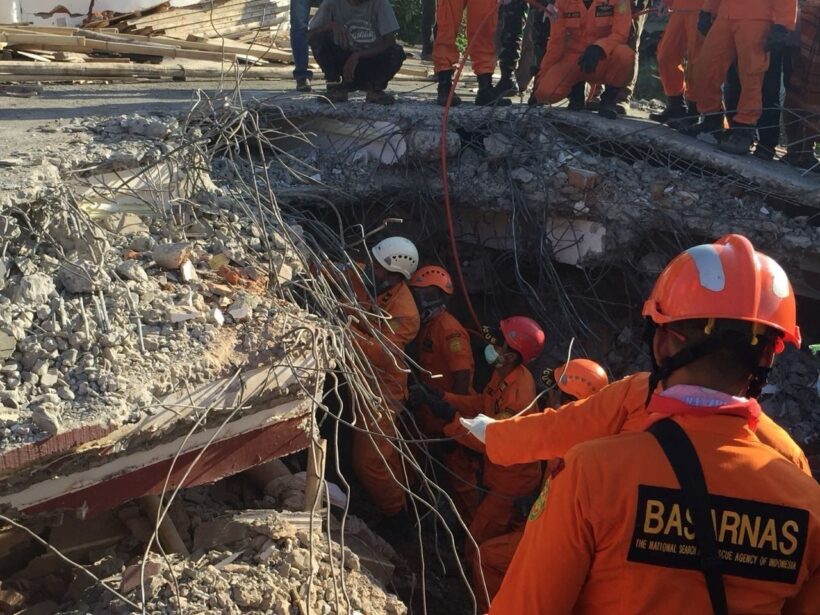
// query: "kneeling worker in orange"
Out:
[376,460]
[588,43]
[577,379]
[446,358]
[694,514]
[744,30]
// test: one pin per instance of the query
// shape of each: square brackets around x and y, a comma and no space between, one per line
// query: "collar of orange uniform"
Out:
[384,298]
[667,404]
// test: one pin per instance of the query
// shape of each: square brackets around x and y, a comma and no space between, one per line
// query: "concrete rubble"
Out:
[98,319]
[132,278]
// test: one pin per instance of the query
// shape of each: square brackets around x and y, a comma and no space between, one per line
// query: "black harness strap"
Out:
[684,460]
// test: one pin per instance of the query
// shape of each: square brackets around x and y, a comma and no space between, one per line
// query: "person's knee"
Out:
[622,56]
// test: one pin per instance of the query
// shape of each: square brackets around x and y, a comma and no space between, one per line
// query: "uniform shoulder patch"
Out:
[541,501]
[454,343]
[756,540]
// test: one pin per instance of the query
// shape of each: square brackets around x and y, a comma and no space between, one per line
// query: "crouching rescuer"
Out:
[697,514]
[354,41]
[588,44]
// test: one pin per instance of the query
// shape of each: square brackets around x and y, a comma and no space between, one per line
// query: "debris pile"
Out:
[234,19]
[103,311]
[248,560]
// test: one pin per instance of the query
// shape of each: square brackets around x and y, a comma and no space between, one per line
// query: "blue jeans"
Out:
[299,17]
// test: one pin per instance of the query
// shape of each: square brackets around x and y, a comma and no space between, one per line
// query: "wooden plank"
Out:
[82,44]
[32,55]
[242,14]
[56,71]
[202,11]
[225,31]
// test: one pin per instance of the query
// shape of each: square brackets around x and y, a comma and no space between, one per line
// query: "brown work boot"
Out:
[335,93]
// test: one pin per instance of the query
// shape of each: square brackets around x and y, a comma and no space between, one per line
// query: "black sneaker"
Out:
[303,84]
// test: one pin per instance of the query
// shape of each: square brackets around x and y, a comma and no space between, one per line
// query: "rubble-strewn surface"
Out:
[102,316]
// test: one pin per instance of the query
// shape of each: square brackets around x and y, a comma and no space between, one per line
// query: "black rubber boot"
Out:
[608,107]
[445,82]
[488,95]
[675,110]
[709,130]
[506,87]
[576,97]
[740,139]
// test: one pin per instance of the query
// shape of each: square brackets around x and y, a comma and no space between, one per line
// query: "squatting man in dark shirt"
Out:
[354,42]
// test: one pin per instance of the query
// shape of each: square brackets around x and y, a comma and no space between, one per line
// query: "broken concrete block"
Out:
[285,273]
[426,144]
[153,578]
[218,261]
[247,596]
[132,270]
[177,314]
[522,175]
[49,378]
[241,310]
[216,317]
[187,271]
[7,345]
[34,288]
[125,224]
[498,145]
[47,418]
[171,255]
[582,178]
[81,277]
[219,532]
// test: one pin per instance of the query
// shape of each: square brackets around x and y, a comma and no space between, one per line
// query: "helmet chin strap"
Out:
[427,312]
[687,356]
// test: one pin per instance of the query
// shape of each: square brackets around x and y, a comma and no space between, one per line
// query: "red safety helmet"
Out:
[432,276]
[524,335]
[725,280]
[580,378]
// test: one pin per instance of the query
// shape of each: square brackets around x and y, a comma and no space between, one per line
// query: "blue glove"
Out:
[589,60]
[705,21]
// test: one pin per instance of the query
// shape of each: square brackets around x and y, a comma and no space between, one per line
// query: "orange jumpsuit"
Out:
[615,536]
[482,20]
[444,348]
[739,32]
[680,40]
[497,513]
[605,23]
[614,409]
[374,457]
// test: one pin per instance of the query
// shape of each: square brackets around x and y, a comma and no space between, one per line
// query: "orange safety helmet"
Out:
[524,335]
[580,378]
[432,276]
[726,280]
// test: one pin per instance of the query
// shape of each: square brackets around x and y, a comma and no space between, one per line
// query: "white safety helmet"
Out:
[397,254]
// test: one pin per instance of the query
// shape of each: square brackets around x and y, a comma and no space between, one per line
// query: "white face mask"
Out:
[491,355]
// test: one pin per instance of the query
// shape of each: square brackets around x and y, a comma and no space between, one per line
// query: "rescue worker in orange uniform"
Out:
[744,30]
[446,358]
[692,514]
[376,460]
[510,391]
[588,43]
[577,379]
[482,21]
[681,40]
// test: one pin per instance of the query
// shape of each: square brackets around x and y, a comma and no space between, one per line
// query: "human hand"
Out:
[341,36]
[477,426]
[589,60]
[350,67]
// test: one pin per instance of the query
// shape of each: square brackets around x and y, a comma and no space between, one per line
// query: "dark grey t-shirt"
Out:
[366,22]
